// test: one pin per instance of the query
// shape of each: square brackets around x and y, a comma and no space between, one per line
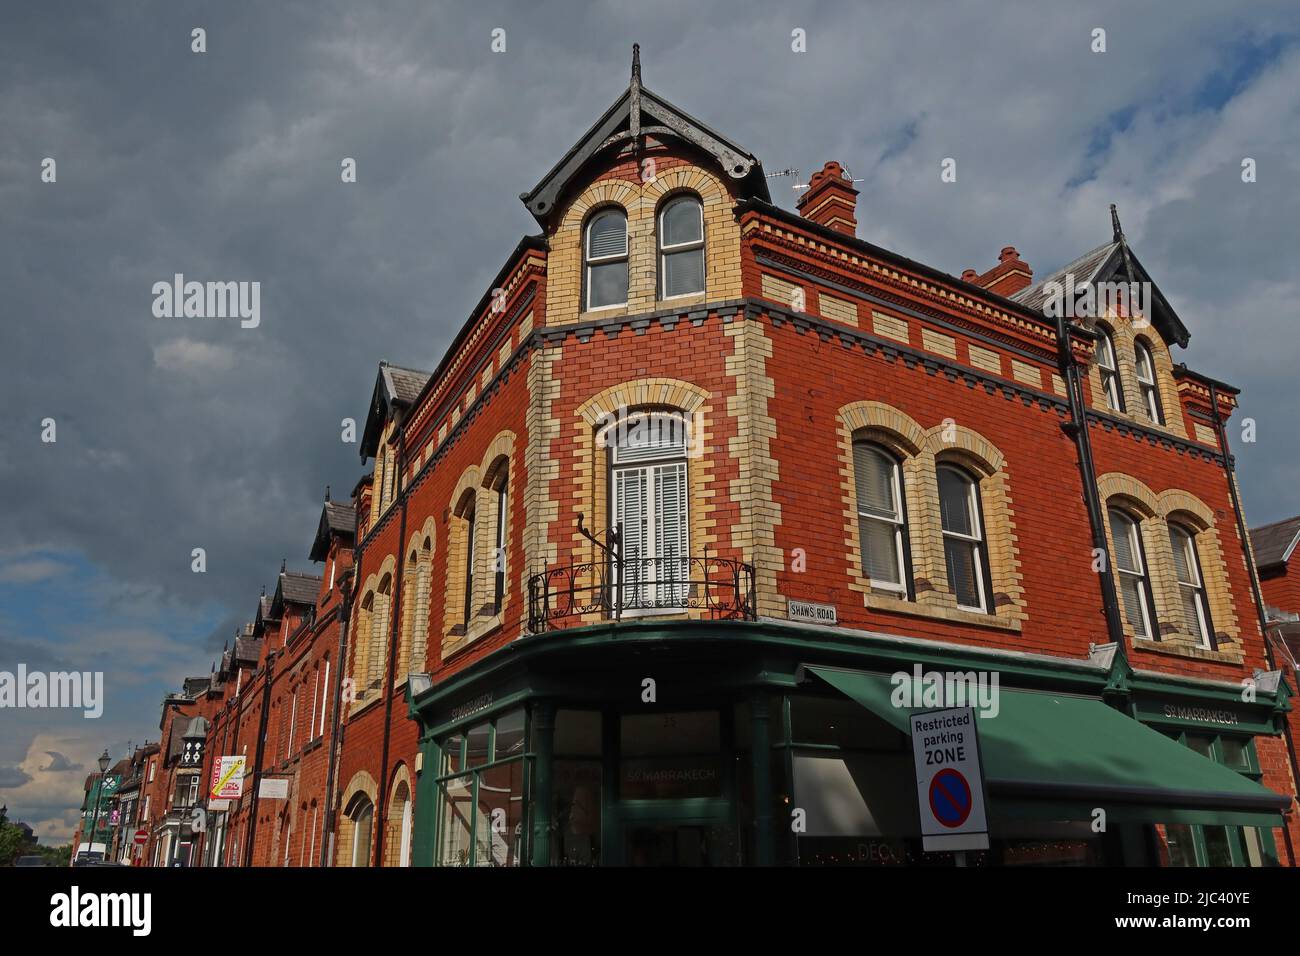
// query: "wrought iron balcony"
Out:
[622,587]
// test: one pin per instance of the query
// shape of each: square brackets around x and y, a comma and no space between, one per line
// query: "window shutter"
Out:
[874,478]
[1121,529]
[954,502]
[629,508]
[608,236]
[671,548]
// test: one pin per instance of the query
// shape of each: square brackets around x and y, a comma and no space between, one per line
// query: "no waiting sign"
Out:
[949,780]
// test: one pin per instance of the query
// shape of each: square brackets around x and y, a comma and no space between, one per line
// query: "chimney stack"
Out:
[831,200]
[1008,277]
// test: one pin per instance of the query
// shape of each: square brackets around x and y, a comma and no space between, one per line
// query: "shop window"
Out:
[577,789]
[648,496]
[681,247]
[1130,563]
[1108,368]
[606,259]
[480,794]
[1191,585]
[1146,376]
[670,755]
[964,549]
[882,522]
[1215,845]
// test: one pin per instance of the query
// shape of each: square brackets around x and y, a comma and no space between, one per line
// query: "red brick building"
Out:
[701,486]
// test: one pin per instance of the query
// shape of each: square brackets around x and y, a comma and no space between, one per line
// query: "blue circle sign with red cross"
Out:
[950,798]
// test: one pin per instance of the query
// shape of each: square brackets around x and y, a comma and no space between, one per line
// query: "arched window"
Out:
[1130,562]
[681,247]
[1146,376]
[1191,585]
[378,657]
[460,572]
[361,814]
[606,259]
[1109,369]
[420,617]
[882,523]
[964,550]
[648,498]
[499,483]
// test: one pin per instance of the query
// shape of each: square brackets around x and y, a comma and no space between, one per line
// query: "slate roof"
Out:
[298,588]
[247,651]
[395,386]
[1084,269]
[1106,264]
[335,518]
[1274,543]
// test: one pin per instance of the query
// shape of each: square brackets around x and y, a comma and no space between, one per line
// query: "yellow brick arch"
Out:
[881,420]
[1117,485]
[361,783]
[1175,501]
[949,439]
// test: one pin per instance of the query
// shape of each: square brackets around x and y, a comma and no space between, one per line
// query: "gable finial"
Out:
[327,492]
[1116,231]
[283,562]
[634,104]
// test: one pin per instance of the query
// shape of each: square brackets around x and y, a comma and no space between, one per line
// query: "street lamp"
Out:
[104,759]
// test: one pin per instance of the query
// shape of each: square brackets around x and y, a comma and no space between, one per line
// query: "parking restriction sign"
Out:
[949,780]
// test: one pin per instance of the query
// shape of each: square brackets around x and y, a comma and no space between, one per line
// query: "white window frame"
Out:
[1139,573]
[1110,381]
[588,260]
[975,540]
[650,467]
[666,250]
[1191,557]
[898,521]
[1147,383]
[324,699]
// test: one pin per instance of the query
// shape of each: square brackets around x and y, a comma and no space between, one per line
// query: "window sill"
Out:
[1002,621]
[454,643]
[364,703]
[1171,645]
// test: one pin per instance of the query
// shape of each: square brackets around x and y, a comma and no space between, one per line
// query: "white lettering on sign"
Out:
[811,613]
[1202,714]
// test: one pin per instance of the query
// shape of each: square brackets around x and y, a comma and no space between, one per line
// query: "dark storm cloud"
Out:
[175,434]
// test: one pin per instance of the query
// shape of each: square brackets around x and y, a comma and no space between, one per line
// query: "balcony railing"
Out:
[616,588]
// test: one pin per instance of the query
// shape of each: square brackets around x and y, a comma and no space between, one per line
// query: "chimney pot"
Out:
[969,275]
[1008,252]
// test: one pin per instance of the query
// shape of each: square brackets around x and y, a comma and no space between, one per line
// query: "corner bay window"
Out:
[1131,579]
[681,247]
[481,794]
[648,498]
[963,538]
[605,254]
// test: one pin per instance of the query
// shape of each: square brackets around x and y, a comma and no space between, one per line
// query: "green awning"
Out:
[1056,756]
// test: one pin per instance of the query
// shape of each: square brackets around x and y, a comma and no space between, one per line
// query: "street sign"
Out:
[141,837]
[949,780]
[273,788]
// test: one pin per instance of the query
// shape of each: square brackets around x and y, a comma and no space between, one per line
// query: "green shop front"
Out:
[696,743]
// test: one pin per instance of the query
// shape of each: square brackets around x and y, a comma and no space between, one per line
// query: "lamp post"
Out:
[103,768]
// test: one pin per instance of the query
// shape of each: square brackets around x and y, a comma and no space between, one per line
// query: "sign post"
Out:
[949,781]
